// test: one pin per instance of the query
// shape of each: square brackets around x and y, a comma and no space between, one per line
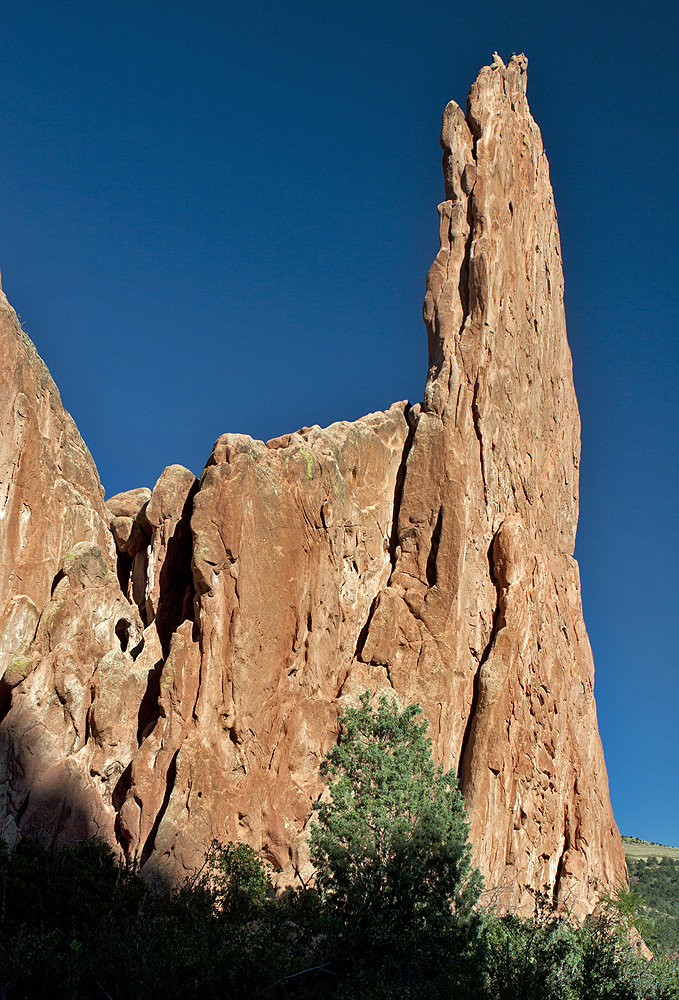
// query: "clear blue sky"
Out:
[220,217]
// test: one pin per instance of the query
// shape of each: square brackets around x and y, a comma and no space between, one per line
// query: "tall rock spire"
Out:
[485,593]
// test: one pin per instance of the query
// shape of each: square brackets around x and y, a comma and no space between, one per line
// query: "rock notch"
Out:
[184,683]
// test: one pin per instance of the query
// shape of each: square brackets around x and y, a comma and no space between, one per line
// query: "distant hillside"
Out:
[654,880]
[636,848]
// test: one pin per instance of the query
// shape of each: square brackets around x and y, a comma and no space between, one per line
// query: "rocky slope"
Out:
[184,685]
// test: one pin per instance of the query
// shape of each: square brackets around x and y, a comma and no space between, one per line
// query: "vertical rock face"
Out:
[50,495]
[291,544]
[485,595]
[187,687]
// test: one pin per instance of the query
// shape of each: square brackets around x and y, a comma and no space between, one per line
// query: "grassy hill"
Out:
[654,880]
[636,848]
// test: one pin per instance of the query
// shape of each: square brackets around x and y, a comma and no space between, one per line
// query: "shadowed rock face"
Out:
[185,686]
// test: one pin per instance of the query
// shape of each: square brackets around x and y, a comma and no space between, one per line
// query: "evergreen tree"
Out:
[392,852]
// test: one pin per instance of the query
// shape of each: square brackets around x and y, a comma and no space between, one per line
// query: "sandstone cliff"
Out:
[185,685]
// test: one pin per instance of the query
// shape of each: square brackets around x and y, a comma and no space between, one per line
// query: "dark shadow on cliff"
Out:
[400,481]
[56,821]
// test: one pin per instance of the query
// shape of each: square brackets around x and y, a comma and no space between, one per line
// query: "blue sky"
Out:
[218,217]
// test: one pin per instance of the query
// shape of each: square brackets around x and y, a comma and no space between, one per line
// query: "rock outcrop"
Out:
[185,686]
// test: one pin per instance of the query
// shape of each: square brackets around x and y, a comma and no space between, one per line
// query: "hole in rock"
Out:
[122,787]
[122,631]
[149,709]
[134,653]
[123,571]
[57,579]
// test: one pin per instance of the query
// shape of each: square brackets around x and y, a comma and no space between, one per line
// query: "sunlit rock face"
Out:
[173,662]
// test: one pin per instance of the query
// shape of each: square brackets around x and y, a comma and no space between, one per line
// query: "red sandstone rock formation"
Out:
[187,689]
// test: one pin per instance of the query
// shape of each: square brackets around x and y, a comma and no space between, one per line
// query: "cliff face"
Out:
[185,686]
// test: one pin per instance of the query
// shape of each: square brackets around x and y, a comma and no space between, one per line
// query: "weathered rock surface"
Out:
[186,687]
[50,495]
[486,596]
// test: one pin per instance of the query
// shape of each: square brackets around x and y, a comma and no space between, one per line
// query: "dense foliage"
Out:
[393,914]
[655,884]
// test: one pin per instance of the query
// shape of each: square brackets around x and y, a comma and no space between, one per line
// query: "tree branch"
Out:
[313,968]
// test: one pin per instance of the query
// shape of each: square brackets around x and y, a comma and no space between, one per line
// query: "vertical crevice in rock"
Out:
[149,844]
[463,284]
[410,414]
[123,571]
[149,708]
[560,868]
[466,747]
[363,634]
[433,550]
[5,699]
[132,535]
[476,420]
[466,738]
[177,590]
[169,585]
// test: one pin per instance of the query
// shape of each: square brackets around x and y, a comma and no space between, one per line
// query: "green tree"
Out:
[392,852]
[237,881]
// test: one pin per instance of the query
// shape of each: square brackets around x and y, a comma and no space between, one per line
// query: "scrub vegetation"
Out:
[393,912]
[654,887]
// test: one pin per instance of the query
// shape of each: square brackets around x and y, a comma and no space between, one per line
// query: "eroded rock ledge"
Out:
[183,683]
